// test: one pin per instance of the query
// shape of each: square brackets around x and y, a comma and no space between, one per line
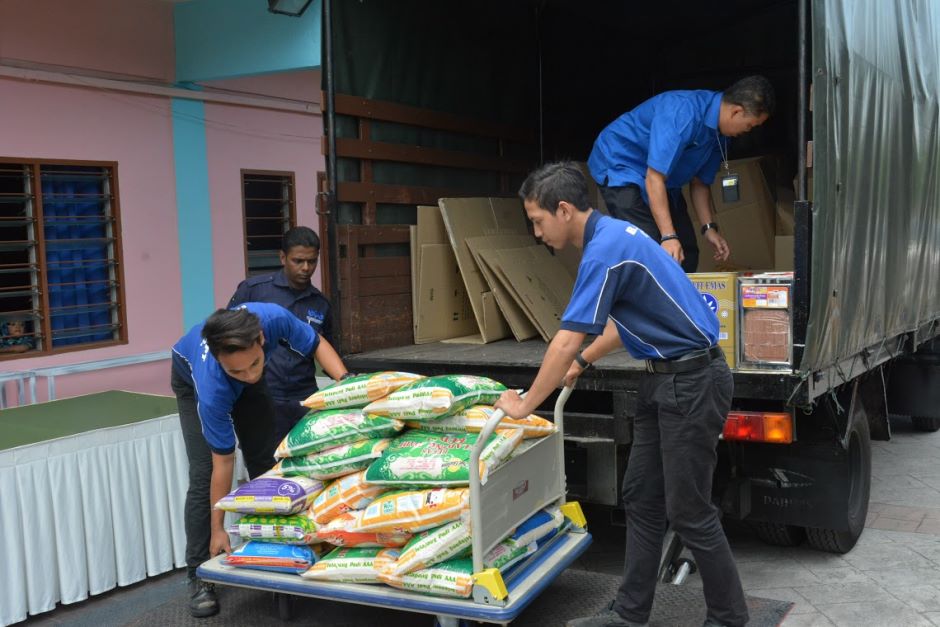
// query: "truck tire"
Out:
[779,534]
[859,469]
[928,424]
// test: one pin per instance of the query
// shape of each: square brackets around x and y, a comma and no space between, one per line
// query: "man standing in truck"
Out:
[630,292]
[642,159]
[291,378]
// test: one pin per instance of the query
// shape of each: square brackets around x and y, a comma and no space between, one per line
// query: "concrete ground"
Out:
[891,577]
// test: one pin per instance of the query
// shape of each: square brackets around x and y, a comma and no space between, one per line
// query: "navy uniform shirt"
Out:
[675,133]
[289,377]
[216,392]
[627,277]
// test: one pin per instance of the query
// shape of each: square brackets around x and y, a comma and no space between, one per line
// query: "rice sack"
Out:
[359,390]
[435,397]
[322,430]
[270,494]
[294,529]
[344,531]
[430,547]
[452,578]
[411,511]
[344,494]
[473,418]
[540,525]
[334,462]
[279,558]
[348,565]
[422,458]
[507,553]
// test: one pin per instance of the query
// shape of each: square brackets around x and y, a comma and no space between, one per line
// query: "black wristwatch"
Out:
[666,238]
[710,225]
[584,363]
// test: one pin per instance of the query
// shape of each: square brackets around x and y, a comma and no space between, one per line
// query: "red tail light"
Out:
[757,426]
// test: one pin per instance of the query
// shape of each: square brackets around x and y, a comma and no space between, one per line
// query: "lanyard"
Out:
[723,151]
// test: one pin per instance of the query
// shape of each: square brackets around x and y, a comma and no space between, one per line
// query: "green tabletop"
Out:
[46,421]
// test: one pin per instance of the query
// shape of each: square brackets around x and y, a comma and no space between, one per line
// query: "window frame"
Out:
[34,165]
[292,218]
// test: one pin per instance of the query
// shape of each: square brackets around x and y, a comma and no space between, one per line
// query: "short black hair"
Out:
[231,330]
[754,93]
[554,182]
[299,236]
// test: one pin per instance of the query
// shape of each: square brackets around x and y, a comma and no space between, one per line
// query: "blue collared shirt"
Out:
[675,132]
[216,392]
[627,277]
[289,377]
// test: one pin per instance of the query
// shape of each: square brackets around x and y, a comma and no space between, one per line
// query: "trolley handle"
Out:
[476,512]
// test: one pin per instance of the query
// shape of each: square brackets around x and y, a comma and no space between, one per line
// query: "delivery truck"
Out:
[427,100]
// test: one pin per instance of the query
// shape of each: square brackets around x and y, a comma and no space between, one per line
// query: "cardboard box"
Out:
[783,253]
[473,217]
[482,249]
[442,309]
[766,336]
[538,282]
[720,291]
[747,224]
[784,211]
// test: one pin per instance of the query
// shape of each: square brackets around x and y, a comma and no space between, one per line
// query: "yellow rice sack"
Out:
[472,420]
[410,511]
[344,531]
[452,578]
[359,390]
[342,495]
[347,565]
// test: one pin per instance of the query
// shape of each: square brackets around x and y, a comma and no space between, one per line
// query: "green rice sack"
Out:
[430,547]
[318,431]
[423,458]
[435,397]
[295,529]
[334,462]
[359,390]
[474,418]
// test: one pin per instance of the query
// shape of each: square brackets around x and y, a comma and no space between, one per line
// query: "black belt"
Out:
[685,363]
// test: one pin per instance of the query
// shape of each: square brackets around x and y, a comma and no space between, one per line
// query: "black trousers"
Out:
[253,419]
[669,477]
[626,203]
[288,413]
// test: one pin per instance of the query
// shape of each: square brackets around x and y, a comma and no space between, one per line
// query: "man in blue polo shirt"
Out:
[644,157]
[291,378]
[217,376]
[630,292]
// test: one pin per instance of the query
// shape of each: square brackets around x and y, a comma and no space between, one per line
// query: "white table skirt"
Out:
[82,514]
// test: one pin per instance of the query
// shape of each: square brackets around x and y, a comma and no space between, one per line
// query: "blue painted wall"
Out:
[218,39]
[194,218]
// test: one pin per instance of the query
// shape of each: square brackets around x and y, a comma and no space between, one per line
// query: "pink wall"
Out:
[61,122]
[240,138]
[133,38]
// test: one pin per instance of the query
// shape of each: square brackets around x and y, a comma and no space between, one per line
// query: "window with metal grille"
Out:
[268,201]
[61,283]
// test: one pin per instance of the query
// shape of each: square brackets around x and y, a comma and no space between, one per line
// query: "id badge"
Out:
[730,192]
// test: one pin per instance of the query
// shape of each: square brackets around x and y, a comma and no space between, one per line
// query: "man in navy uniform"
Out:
[290,377]
[630,292]
[642,159]
[217,376]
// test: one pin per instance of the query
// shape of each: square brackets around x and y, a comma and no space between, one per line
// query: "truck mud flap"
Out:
[800,484]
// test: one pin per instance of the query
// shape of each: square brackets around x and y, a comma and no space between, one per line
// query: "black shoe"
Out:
[202,599]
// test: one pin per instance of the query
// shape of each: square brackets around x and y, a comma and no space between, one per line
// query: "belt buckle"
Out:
[649,366]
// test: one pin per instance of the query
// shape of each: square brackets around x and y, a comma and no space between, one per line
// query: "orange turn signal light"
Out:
[758,426]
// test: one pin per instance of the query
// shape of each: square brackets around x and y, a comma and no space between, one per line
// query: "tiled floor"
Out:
[891,578]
